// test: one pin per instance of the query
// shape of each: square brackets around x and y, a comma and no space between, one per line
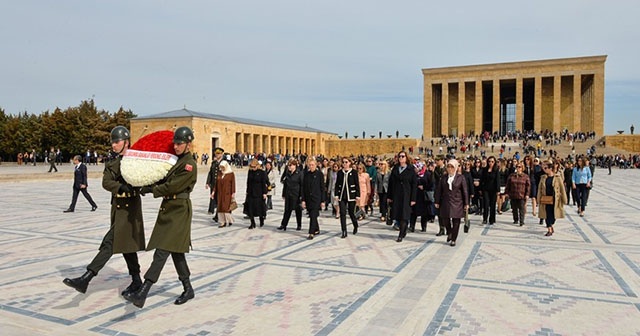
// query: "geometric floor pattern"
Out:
[499,280]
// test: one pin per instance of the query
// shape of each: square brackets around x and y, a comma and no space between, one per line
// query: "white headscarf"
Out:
[455,165]
[225,168]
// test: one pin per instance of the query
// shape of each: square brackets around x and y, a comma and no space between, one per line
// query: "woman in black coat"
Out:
[347,192]
[490,185]
[313,193]
[452,198]
[292,194]
[402,193]
[257,183]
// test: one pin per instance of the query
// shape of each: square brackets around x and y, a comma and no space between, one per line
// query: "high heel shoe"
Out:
[355,229]
[344,234]
[283,228]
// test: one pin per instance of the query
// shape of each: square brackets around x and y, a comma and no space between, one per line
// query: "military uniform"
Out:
[211,182]
[126,232]
[52,161]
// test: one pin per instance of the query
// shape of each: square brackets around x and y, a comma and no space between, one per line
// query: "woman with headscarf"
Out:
[225,192]
[420,208]
[452,198]
[402,193]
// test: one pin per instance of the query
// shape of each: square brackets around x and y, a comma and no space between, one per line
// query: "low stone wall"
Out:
[630,143]
[348,147]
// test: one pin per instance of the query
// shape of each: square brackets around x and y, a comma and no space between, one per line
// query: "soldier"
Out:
[126,233]
[211,180]
[52,160]
[172,231]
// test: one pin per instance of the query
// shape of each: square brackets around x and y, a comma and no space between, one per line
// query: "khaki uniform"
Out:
[126,233]
[126,211]
[172,231]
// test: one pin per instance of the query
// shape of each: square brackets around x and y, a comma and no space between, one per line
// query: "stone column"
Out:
[577,103]
[461,108]
[496,105]
[519,105]
[478,115]
[240,143]
[444,129]
[597,116]
[427,114]
[557,103]
[537,105]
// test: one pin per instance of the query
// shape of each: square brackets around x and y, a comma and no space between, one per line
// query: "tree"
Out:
[74,130]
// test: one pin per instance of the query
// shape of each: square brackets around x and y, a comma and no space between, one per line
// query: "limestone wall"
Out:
[630,143]
[347,147]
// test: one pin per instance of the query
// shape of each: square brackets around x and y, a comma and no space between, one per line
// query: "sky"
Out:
[337,66]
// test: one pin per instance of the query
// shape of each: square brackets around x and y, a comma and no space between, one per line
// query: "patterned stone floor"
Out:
[499,280]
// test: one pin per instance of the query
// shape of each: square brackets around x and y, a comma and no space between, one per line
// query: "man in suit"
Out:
[80,185]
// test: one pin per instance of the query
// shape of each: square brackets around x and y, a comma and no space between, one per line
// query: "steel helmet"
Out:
[183,134]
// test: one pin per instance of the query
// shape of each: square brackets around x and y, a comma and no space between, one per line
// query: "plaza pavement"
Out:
[498,280]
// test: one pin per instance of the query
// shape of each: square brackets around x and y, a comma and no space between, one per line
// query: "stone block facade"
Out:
[539,95]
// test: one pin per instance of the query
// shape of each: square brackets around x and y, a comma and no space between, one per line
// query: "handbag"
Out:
[546,200]
[233,205]
[430,196]
[467,221]
[506,206]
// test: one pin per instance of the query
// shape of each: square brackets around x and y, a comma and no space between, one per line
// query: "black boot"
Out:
[441,232]
[134,286]
[355,229]
[187,294]
[344,234]
[80,284]
[138,298]
[261,221]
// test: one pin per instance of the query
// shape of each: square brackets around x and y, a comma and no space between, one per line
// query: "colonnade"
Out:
[263,143]
[521,96]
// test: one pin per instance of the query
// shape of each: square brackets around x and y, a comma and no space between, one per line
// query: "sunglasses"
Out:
[402,156]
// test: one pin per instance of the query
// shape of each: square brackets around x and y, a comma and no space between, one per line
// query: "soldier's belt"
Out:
[127,195]
[177,196]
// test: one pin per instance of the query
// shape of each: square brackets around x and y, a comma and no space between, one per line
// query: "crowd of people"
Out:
[403,188]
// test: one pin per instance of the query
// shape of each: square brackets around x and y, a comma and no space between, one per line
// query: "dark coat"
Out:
[490,180]
[420,208]
[313,189]
[172,231]
[402,191]
[257,182]
[214,171]
[80,176]
[452,202]
[349,181]
[292,184]
[126,211]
